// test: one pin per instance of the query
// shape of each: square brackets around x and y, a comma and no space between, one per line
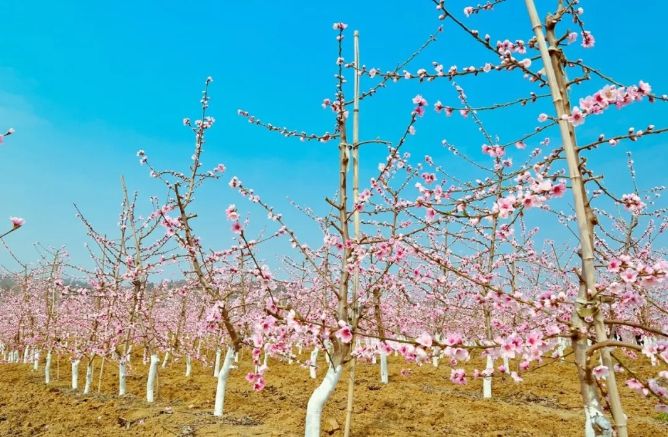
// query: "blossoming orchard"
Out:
[488,257]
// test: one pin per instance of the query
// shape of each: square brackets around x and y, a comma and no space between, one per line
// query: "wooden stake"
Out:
[584,302]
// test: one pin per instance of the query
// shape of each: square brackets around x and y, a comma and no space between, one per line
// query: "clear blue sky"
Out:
[86,84]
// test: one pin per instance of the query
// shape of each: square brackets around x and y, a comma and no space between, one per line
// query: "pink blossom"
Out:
[558,190]
[633,203]
[458,376]
[614,265]
[236,228]
[16,222]
[345,333]
[629,276]
[232,213]
[588,40]
[424,339]
[600,372]
[576,117]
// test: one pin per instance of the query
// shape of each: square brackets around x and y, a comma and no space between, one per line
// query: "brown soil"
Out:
[422,404]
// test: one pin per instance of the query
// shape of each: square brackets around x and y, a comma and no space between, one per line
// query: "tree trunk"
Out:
[152,377]
[222,382]
[317,401]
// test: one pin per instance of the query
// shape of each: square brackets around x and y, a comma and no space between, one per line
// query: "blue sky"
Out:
[88,84]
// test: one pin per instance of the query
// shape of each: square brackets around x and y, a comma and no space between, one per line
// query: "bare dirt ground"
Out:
[424,403]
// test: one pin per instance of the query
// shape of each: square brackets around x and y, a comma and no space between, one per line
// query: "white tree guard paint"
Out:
[384,373]
[313,364]
[506,364]
[189,366]
[435,357]
[595,418]
[487,380]
[89,377]
[265,363]
[35,361]
[318,399]
[75,374]
[561,347]
[222,382]
[122,373]
[216,367]
[47,368]
[25,355]
[164,361]
[152,376]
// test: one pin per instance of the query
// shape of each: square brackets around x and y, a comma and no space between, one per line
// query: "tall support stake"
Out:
[356,224]
[587,302]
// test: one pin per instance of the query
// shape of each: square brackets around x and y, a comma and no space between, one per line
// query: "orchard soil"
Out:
[419,401]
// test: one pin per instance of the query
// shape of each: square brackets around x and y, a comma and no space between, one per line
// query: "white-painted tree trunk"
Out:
[435,357]
[152,376]
[189,366]
[487,380]
[122,373]
[165,359]
[75,374]
[35,360]
[313,364]
[317,401]
[47,368]
[89,377]
[222,382]
[265,363]
[25,355]
[236,357]
[216,367]
[384,373]
[506,364]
